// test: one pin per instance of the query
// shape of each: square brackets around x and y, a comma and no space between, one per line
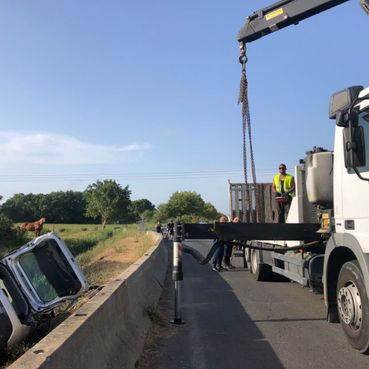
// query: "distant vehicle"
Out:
[35,279]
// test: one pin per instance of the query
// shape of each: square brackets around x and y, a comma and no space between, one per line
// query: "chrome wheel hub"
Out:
[349,305]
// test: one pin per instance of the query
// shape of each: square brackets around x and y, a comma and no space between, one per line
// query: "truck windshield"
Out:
[49,272]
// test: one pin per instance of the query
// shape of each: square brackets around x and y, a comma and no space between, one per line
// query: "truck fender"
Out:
[341,247]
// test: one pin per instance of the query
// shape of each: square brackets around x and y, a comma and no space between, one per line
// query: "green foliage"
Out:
[21,207]
[210,212]
[107,200]
[139,207]
[148,215]
[6,226]
[56,207]
[64,207]
[80,239]
[10,237]
[187,206]
[161,213]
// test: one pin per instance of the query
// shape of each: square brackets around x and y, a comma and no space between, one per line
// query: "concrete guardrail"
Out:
[109,330]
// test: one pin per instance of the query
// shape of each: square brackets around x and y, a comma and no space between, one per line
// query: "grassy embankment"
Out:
[103,253]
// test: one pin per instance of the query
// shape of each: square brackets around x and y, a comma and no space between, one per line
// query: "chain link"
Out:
[246,133]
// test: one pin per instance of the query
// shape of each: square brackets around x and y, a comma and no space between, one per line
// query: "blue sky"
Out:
[146,92]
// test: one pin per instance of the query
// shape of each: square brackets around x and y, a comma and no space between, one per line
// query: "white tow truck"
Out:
[332,187]
[324,243]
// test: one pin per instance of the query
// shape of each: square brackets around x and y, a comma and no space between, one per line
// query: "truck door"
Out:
[353,214]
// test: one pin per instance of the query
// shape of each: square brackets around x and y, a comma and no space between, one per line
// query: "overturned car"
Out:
[35,279]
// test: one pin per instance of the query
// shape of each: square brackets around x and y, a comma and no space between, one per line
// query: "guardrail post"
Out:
[177,274]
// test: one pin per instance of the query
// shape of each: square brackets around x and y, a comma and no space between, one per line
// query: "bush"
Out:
[10,236]
[6,226]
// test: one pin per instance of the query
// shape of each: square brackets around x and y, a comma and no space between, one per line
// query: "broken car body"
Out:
[35,279]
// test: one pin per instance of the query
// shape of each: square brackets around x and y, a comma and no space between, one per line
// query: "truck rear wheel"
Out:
[247,258]
[261,271]
[353,307]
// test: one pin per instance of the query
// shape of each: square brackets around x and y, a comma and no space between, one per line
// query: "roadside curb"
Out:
[109,330]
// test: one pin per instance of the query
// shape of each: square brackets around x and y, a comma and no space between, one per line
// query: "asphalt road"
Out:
[234,322]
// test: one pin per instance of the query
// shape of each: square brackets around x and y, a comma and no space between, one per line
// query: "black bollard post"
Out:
[177,274]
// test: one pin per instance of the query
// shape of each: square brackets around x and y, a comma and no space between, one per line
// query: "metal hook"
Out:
[242,58]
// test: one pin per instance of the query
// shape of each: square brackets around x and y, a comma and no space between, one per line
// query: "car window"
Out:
[49,272]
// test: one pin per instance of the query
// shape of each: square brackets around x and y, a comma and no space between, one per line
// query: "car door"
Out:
[47,272]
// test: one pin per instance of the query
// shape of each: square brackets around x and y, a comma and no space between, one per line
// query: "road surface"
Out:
[234,322]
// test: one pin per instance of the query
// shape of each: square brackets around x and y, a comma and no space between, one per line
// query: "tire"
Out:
[261,271]
[247,254]
[246,258]
[353,306]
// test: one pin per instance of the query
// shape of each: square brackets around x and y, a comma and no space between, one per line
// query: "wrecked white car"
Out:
[35,279]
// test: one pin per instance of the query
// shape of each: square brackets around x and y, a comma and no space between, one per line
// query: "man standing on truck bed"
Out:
[284,188]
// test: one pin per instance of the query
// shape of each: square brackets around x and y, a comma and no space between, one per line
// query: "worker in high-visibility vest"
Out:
[284,188]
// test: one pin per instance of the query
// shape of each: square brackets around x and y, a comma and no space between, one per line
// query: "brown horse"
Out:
[35,226]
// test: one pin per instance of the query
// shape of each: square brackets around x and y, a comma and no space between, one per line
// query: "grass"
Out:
[90,243]
[83,237]
[103,253]
[111,256]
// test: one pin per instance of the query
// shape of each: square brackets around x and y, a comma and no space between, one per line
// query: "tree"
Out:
[107,200]
[56,207]
[138,207]
[210,212]
[187,206]
[64,207]
[161,213]
[23,208]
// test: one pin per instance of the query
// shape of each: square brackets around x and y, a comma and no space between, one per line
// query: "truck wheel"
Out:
[261,271]
[353,307]
[247,257]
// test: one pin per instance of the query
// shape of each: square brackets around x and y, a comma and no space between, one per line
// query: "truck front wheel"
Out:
[353,307]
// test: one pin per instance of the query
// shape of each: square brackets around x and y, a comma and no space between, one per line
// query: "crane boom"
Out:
[282,14]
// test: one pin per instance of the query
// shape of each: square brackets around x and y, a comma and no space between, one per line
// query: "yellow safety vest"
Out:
[286,185]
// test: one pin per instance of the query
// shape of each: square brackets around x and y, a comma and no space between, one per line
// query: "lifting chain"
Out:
[246,131]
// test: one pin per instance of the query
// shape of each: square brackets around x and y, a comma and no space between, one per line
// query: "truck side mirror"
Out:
[354,147]
[340,103]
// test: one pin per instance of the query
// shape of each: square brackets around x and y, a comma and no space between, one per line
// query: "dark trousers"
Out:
[228,247]
[218,255]
[283,209]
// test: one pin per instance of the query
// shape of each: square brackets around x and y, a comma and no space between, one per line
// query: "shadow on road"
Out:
[218,333]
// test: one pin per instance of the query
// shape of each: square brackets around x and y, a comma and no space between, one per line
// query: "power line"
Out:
[142,176]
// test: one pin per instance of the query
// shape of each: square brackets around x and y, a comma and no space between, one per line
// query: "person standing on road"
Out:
[170,227]
[284,188]
[219,252]
[228,248]
[158,227]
